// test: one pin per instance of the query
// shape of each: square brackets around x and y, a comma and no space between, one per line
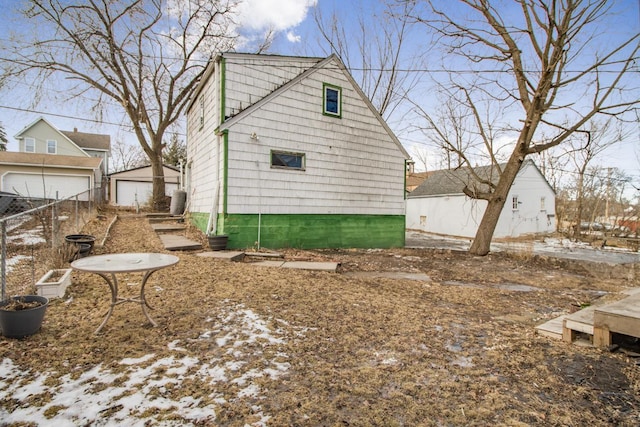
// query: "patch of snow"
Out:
[136,395]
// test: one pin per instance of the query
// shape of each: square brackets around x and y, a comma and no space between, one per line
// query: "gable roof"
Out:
[91,141]
[211,66]
[82,140]
[313,69]
[49,160]
[452,181]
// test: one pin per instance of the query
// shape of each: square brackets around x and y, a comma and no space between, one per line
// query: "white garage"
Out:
[48,176]
[134,187]
[137,193]
[50,186]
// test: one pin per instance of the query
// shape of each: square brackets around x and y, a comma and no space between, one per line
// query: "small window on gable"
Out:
[514,203]
[542,204]
[332,100]
[52,146]
[29,145]
[285,160]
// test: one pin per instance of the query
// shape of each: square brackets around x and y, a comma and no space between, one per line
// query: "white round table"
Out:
[107,266]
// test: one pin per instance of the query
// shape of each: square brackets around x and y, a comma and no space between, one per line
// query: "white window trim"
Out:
[338,89]
[303,160]
[26,145]
[55,146]
[515,203]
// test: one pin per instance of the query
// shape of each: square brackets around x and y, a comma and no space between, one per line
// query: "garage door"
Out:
[47,186]
[137,193]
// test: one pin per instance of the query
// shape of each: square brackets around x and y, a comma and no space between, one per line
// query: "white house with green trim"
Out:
[289,152]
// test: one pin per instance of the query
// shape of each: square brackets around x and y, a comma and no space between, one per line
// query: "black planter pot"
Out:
[218,243]
[22,323]
[83,244]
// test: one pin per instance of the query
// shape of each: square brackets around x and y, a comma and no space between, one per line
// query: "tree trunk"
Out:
[159,203]
[482,242]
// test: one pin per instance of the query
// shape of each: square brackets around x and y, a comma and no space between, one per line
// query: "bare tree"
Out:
[125,157]
[583,148]
[146,55]
[539,61]
[375,52]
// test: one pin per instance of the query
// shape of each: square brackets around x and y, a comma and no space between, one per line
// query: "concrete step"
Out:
[174,242]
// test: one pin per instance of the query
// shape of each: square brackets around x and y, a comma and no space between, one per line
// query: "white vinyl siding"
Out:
[204,148]
[352,166]
[249,79]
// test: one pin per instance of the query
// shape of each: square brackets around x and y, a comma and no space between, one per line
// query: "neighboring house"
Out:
[414,179]
[52,163]
[134,187]
[95,145]
[47,176]
[439,206]
[289,152]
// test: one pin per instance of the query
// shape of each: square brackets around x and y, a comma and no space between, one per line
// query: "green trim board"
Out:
[312,231]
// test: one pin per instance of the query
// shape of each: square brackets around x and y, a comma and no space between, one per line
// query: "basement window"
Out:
[286,160]
[332,100]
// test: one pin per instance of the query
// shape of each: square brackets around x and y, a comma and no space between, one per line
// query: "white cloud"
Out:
[293,38]
[279,15]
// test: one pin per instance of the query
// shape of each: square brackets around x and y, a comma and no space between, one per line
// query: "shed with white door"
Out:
[134,187]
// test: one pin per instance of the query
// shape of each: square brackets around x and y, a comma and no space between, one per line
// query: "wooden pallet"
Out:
[621,317]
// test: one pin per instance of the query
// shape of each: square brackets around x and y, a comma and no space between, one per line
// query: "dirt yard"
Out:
[447,340]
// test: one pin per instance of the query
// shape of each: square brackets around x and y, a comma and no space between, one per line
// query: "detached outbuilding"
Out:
[439,206]
[134,187]
[289,152]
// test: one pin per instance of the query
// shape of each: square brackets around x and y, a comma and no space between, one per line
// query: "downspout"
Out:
[225,147]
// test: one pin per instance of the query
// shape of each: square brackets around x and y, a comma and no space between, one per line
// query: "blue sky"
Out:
[296,34]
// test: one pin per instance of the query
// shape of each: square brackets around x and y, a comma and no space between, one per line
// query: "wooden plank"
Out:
[622,317]
[552,328]
[581,321]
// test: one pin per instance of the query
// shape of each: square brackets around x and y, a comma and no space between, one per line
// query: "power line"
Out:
[64,116]
[82,119]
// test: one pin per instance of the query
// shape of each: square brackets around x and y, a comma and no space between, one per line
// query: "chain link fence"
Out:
[33,236]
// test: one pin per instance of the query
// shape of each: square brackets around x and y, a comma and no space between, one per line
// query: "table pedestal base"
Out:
[112,281]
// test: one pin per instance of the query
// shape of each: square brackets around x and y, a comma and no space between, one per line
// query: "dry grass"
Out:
[459,349]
